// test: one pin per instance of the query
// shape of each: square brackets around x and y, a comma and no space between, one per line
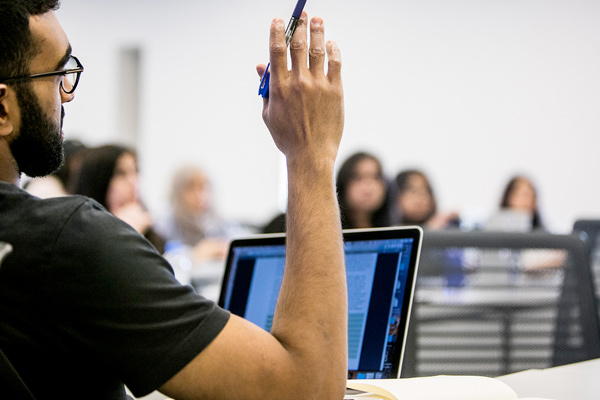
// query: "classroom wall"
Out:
[471,91]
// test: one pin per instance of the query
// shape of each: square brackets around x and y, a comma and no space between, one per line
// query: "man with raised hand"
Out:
[87,305]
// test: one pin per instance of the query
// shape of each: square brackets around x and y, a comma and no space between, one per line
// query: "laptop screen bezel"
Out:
[351,235]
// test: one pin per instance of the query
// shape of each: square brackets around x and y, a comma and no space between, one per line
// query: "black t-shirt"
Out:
[87,304]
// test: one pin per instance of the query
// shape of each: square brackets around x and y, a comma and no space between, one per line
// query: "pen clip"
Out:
[263,89]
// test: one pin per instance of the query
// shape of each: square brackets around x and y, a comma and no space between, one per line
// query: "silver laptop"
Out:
[381,269]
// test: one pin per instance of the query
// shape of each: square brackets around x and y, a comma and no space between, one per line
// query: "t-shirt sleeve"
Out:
[118,300]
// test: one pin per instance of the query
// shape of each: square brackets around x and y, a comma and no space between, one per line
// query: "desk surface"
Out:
[579,381]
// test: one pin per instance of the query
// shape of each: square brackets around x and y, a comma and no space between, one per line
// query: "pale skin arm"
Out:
[210,249]
[441,220]
[305,354]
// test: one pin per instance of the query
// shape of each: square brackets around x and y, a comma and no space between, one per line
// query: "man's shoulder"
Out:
[20,211]
[56,231]
[17,201]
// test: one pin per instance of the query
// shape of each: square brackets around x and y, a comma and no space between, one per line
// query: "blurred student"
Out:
[415,202]
[363,192]
[109,175]
[191,219]
[519,213]
[362,195]
[520,195]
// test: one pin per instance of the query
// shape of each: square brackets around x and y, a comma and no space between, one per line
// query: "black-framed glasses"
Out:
[71,74]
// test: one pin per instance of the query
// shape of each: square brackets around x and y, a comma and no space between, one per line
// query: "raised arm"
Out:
[305,355]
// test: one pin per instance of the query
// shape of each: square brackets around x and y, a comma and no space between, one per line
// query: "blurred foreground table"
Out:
[579,381]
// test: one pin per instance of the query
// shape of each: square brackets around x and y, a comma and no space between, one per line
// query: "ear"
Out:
[8,110]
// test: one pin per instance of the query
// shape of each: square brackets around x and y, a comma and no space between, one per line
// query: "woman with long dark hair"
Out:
[415,202]
[520,195]
[362,195]
[363,192]
[109,175]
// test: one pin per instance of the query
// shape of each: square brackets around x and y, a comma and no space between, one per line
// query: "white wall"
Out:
[471,91]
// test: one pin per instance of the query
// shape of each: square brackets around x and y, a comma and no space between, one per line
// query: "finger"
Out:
[298,46]
[278,48]
[334,65]
[316,53]
[260,69]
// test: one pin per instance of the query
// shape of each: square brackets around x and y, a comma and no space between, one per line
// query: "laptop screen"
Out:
[380,268]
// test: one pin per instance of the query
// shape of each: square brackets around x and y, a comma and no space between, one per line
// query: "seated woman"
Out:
[519,212]
[191,219]
[520,197]
[194,231]
[362,195]
[415,202]
[109,175]
[363,192]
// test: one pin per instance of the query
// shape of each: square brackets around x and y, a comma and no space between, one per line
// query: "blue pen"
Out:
[263,89]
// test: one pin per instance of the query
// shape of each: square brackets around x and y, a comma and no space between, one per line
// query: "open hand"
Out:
[304,111]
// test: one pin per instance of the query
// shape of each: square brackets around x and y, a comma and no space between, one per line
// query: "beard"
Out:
[38,146]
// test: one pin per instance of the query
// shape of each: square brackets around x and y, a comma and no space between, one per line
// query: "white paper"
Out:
[435,388]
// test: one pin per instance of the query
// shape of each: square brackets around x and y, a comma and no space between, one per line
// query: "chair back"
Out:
[493,303]
[591,229]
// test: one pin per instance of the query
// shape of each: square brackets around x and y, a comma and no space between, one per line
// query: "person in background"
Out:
[415,202]
[61,182]
[191,219]
[362,192]
[519,213]
[520,195]
[109,175]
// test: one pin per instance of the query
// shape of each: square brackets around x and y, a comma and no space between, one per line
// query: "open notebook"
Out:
[381,268]
[441,387]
